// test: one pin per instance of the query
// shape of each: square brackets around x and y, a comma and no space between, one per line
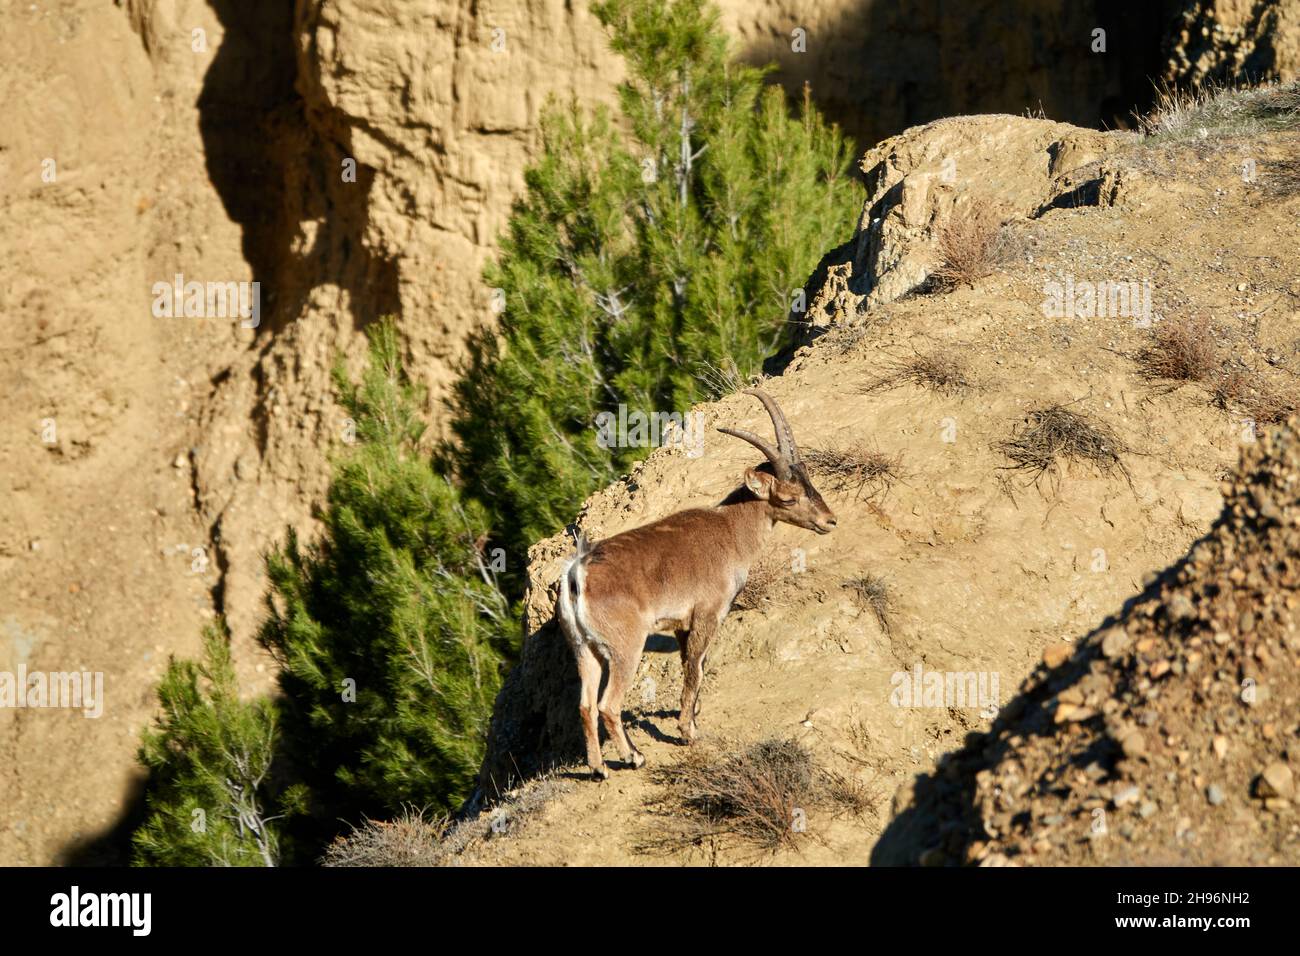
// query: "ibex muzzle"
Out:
[679,574]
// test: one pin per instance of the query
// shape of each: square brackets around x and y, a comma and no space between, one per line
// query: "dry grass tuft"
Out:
[942,372]
[1181,350]
[846,793]
[871,592]
[972,243]
[720,380]
[1247,394]
[1218,110]
[1053,434]
[857,467]
[757,796]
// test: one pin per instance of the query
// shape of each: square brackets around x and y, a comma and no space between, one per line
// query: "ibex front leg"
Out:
[694,645]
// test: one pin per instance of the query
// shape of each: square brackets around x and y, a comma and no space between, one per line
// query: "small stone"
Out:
[1132,743]
[1220,746]
[1054,655]
[1148,810]
[1180,607]
[1159,669]
[1242,286]
[1129,794]
[1115,642]
[1214,793]
[1276,804]
[1276,781]
[1072,713]
[179,461]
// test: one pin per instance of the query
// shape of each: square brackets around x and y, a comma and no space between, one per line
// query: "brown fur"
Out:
[678,574]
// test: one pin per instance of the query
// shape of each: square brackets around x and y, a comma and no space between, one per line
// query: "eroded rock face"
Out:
[915,182]
[1230,40]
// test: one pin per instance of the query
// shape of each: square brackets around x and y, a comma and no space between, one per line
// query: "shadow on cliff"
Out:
[886,65]
[941,818]
[275,165]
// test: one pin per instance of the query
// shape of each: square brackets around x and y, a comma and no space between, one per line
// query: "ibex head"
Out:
[787,488]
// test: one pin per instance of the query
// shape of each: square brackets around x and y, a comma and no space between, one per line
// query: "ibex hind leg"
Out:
[622,672]
[589,672]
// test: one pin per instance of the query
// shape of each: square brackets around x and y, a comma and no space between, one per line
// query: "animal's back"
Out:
[648,567]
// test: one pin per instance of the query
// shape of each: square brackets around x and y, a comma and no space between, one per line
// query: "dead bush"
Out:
[756,796]
[1055,433]
[858,467]
[413,839]
[762,585]
[871,592]
[971,244]
[1247,394]
[1181,350]
[942,372]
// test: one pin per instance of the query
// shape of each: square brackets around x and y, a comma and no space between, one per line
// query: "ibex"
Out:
[679,573]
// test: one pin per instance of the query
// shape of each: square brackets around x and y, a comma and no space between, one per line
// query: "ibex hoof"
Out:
[637,761]
[600,773]
[688,735]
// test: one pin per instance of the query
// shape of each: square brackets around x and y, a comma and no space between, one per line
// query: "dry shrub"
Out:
[1055,433]
[755,796]
[972,243]
[413,839]
[871,592]
[858,467]
[761,584]
[1246,393]
[1181,350]
[940,371]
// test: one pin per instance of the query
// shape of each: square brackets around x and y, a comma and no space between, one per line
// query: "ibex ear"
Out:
[759,482]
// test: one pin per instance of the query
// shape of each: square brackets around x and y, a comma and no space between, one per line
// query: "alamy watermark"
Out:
[208,300]
[1082,299]
[960,689]
[74,690]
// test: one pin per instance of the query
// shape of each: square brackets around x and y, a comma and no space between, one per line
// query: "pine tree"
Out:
[212,788]
[642,255]
[390,630]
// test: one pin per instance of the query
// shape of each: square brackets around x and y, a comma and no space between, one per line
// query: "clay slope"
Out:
[985,569]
